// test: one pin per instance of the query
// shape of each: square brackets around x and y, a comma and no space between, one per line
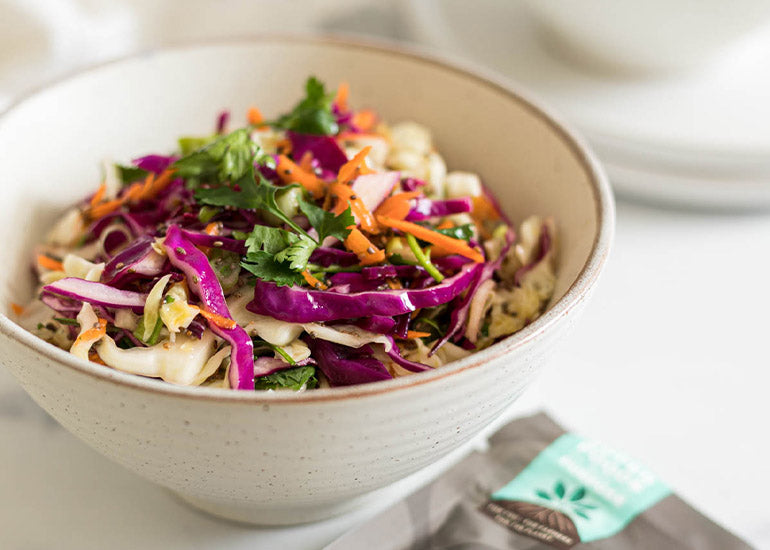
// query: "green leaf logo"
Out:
[573,504]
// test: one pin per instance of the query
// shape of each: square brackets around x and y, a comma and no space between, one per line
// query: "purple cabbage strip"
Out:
[325,256]
[154,163]
[196,328]
[345,366]
[138,260]
[352,282]
[427,208]
[65,306]
[299,305]
[203,281]
[402,325]
[376,323]
[222,120]
[544,248]
[97,294]
[460,309]
[396,357]
[386,271]
[212,241]
[453,263]
[323,148]
[411,184]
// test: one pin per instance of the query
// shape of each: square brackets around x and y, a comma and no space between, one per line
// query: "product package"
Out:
[539,488]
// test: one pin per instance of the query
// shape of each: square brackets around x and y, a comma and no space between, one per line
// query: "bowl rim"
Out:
[578,290]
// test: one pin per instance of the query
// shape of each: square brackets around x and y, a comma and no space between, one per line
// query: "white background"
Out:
[669,363]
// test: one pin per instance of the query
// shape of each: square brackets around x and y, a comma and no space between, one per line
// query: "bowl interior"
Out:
[53,142]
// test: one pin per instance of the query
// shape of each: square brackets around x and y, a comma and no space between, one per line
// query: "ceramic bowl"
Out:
[282,458]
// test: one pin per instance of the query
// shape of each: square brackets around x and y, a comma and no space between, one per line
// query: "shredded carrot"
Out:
[254,116]
[213,228]
[218,320]
[94,332]
[364,120]
[341,99]
[97,198]
[158,184]
[306,162]
[423,233]
[397,206]
[312,281]
[291,173]
[49,263]
[17,309]
[394,284]
[284,147]
[94,358]
[345,196]
[362,247]
[446,224]
[413,334]
[483,209]
[355,166]
[105,208]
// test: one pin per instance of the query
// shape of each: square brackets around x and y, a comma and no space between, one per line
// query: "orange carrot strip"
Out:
[446,224]
[394,284]
[93,333]
[306,162]
[362,247]
[217,319]
[17,309]
[213,228]
[397,206]
[105,208]
[413,334]
[364,120]
[97,198]
[423,233]
[312,281]
[483,209]
[49,263]
[254,116]
[159,184]
[283,147]
[94,358]
[346,196]
[354,167]
[341,99]
[291,173]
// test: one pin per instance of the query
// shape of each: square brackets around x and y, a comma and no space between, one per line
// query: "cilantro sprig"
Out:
[312,115]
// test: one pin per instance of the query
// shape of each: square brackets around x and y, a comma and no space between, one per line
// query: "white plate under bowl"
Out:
[713,120]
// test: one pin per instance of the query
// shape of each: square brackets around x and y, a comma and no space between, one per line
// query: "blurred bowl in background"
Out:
[648,36]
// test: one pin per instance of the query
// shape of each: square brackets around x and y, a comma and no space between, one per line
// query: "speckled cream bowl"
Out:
[280,458]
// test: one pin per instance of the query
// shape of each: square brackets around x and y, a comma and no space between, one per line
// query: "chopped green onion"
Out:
[422,259]
[280,351]
[207,212]
[315,268]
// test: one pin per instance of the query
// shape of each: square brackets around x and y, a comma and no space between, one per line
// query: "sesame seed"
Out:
[371,250]
[218,243]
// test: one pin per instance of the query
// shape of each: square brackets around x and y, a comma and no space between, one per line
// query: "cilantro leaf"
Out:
[291,379]
[130,174]
[297,254]
[227,158]
[312,115]
[326,223]
[277,255]
[190,144]
[264,266]
[270,239]
[462,232]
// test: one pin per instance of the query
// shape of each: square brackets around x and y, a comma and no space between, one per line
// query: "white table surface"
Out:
[670,363]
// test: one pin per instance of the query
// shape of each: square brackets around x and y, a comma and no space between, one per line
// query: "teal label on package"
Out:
[575,490]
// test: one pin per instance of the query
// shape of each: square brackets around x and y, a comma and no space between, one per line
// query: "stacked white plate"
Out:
[700,139]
